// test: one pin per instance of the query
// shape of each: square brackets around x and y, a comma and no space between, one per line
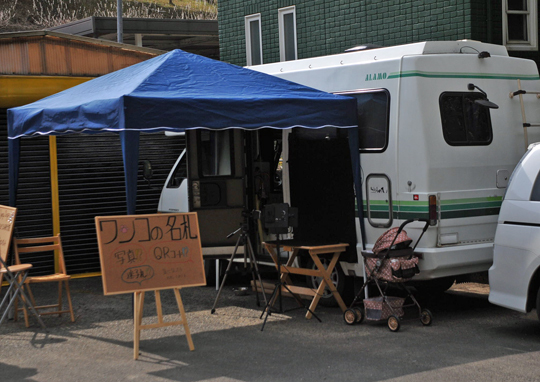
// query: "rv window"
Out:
[373,109]
[179,174]
[464,122]
[215,153]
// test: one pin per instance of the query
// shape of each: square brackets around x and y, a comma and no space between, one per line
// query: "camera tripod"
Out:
[277,292]
[244,240]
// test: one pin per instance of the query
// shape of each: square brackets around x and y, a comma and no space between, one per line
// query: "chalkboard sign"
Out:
[7,220]
[149,252]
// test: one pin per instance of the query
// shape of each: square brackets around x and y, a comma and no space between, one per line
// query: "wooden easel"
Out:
[134,249]
[138,315]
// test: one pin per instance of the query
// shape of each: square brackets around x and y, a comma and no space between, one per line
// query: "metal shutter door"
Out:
[91,183]
[34,208]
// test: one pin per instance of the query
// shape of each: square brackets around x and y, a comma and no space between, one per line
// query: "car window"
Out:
[535,193]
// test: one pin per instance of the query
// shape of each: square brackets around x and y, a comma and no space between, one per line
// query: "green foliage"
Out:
[39,14]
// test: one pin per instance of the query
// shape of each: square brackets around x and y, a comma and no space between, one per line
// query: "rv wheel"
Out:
[434,287]
[338,279]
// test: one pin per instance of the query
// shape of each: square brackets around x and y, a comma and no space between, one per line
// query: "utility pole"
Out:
[119,25]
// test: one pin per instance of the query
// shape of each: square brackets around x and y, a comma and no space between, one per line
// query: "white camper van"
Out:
[433,144]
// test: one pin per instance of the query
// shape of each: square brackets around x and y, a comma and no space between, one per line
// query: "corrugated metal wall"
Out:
[91,183]
[47,54]
[91,177]
[34,209]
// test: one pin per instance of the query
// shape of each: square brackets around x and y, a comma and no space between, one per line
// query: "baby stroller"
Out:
[392,261]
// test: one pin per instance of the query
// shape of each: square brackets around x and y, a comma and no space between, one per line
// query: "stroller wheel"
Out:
[426,317]
[349,316]
[393,323]
[359,315]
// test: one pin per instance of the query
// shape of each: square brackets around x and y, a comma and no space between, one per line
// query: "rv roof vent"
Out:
[363,47]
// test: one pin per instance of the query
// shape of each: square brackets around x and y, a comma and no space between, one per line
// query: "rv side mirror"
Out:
[482,102]
[486,103]
[147,170]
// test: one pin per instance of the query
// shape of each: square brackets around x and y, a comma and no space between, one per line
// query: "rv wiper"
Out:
[483,102]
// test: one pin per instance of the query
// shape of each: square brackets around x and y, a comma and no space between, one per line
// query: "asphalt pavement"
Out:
[470,340]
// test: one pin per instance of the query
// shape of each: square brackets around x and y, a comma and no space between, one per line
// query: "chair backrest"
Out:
[51,247]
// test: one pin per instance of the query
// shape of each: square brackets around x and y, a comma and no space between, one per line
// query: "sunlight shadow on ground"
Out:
[479,371]
[15,374]
[199,322]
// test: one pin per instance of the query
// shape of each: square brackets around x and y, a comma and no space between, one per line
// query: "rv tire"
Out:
[434,287]
[343,284]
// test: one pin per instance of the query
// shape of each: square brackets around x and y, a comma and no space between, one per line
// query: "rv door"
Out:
[216,185]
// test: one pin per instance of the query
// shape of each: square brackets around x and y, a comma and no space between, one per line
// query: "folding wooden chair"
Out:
[45,246]
[16,276]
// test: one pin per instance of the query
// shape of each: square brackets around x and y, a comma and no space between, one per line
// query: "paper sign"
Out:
[149,252]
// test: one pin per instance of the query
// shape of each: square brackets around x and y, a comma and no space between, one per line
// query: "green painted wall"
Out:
[331,26]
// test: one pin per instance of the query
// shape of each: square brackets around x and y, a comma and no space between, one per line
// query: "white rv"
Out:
[433,144]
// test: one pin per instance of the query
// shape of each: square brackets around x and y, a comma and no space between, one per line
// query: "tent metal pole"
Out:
[130,153]
[55,194]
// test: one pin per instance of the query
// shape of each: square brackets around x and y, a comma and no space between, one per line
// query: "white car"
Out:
[514,277]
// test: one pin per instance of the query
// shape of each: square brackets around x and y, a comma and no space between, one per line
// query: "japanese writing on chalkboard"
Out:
[145,252]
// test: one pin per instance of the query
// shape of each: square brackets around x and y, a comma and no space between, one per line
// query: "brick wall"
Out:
[329,27]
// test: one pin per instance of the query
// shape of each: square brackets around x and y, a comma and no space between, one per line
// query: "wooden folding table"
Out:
[315,252]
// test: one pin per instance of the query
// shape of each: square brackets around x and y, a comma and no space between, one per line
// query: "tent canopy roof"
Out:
[178,91]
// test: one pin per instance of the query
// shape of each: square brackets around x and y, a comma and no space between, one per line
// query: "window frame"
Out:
[282,12]
[387,130]
[200,158]
[531,43]
[249,53]
[181,165]
[467,143]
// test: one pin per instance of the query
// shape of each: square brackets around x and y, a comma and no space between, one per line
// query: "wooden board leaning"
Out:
[140,253]
[7,220]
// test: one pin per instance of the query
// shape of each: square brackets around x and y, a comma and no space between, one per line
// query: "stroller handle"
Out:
[408,221]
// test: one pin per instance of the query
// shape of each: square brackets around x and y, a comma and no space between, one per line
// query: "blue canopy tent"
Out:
[176,91]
